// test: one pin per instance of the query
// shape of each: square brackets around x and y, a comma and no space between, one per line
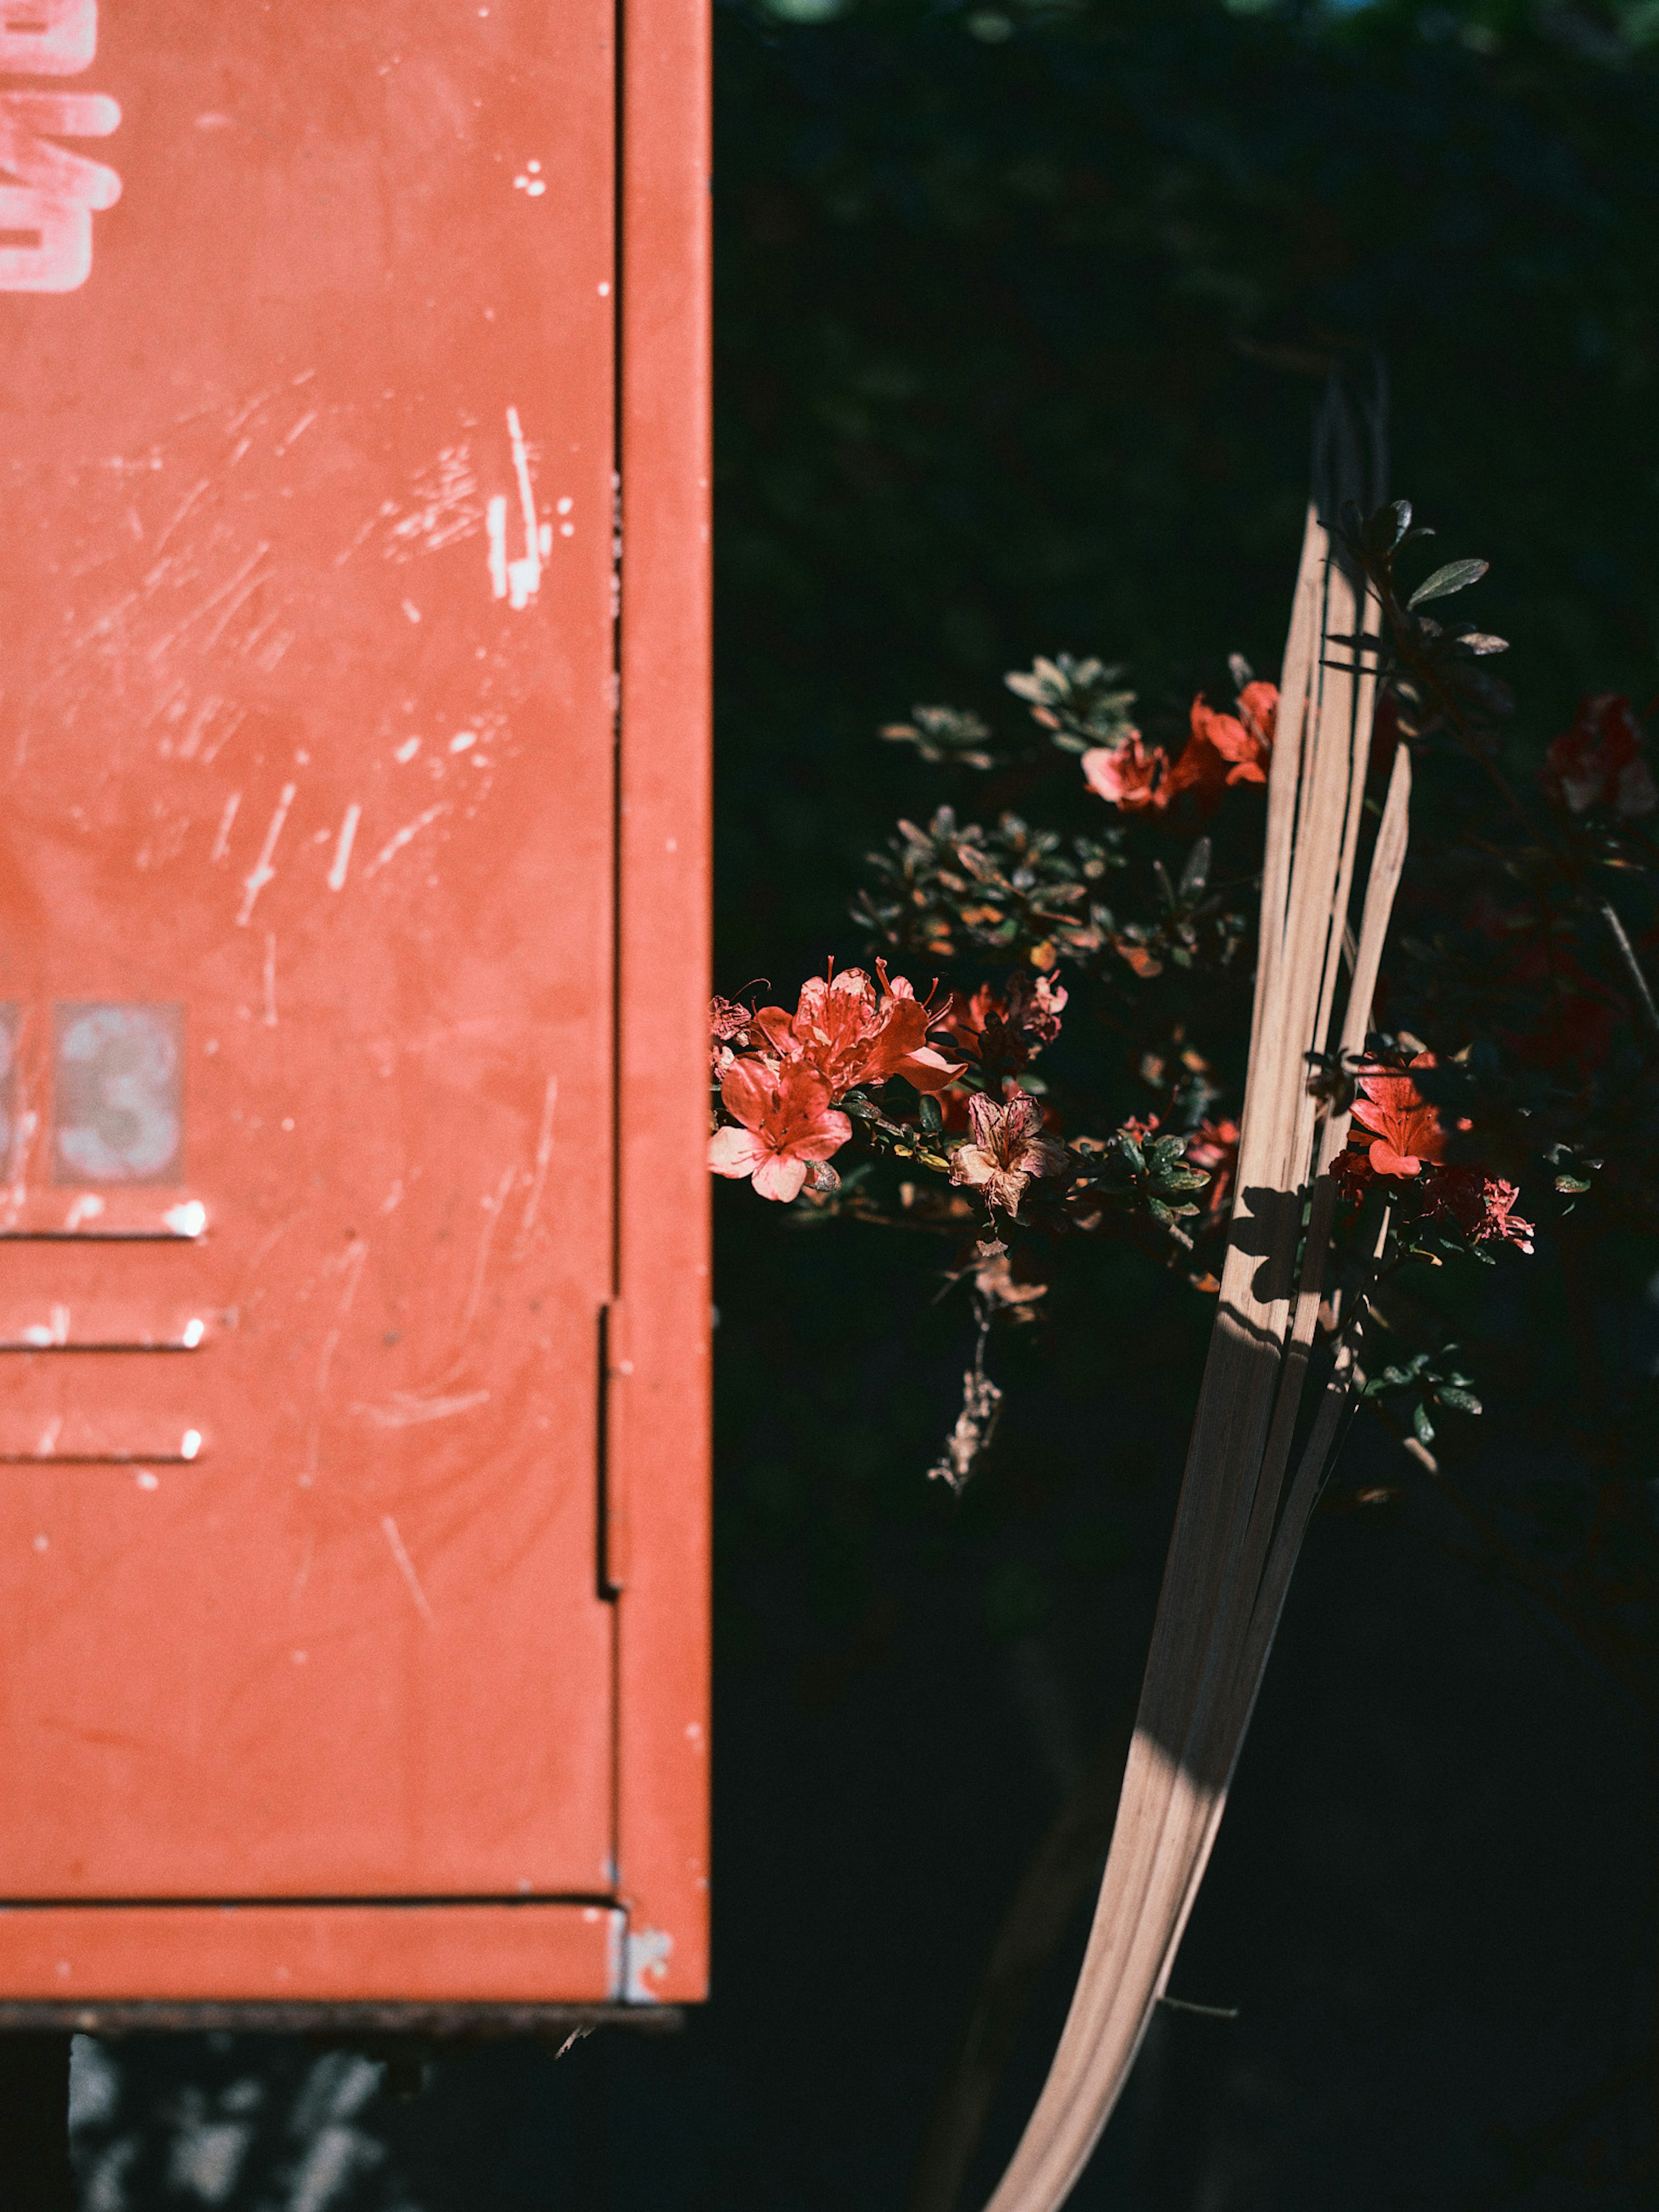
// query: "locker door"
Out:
[306,739]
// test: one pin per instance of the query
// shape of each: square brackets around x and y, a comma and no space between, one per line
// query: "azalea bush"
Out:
[1040,1046]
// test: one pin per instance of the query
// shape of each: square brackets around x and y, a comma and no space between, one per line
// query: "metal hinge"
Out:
[616,1366]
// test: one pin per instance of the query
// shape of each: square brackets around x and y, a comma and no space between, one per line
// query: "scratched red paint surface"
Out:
[306,738]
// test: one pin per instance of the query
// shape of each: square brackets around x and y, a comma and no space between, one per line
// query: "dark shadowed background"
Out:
[1021,310]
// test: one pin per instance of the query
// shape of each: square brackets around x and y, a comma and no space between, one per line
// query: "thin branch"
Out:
[1633,966]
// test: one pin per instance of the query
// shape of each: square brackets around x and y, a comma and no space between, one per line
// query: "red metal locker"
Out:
[353,1283]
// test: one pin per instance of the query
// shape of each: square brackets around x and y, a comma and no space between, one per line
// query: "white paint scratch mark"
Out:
[231,612]
[493,1209]
[523,576]
[368,531]
[186,748]
[393,1198]
[263,871]
[250,409]
[298,431]
[410,609]
[227,730]
[237,583]
[189,1444]
[336,874]
[178,514]
[222,843]
[86,1207]
[543,1160]
[189,1219]
[463,741]
[495,524]
[406,1407]
[407,1568]
[270,1016]
[350,1265]
[260,631]
[448,508]
[405,752]
[393,846]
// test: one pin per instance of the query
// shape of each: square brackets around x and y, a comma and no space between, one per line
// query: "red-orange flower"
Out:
[1258,710]
[1226,749]
[849,1033]
[1214,1146]
[1406,1131]
[1598,762]
[1221,750]
[787,1122]
[1128,775]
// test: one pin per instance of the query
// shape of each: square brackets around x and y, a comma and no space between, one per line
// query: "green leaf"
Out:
[931,1119]
[1182,1179]
[1570,1182]
[1196,873]
[1422,1424]
[1462,1401]
[1456,576]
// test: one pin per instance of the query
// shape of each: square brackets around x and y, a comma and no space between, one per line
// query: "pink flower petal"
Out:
[747,1090]
[824,1134]
[780,1178]
[925,1070]
[735,1152]
[1386,1161]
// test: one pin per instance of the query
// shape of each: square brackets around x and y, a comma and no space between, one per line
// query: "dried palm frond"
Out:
[1237,1529]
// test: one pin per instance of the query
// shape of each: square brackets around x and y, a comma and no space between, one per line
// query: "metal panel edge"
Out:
[367,1953]
[665,849]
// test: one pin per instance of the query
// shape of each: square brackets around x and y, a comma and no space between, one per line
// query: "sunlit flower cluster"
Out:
[1220,750]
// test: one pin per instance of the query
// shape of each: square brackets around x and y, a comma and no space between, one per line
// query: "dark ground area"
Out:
[1022,314]
[1432,1905]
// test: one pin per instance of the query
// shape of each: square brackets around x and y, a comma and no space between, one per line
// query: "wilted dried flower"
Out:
[729,1032]
[1003,1033]
[1005,1149]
